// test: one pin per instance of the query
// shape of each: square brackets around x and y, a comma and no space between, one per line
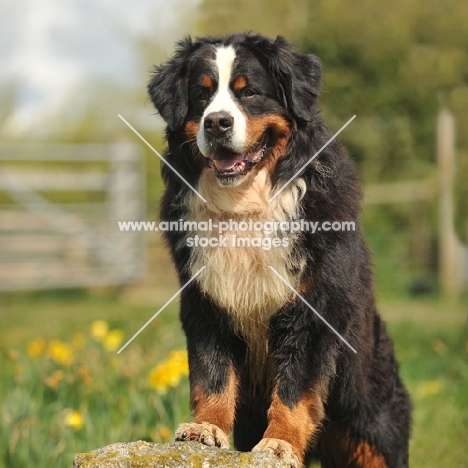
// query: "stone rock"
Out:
[175,455]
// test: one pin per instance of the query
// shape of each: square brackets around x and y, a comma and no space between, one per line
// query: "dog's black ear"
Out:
[298,75]
[168,87]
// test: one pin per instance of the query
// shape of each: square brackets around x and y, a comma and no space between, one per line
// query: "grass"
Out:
[64,389]
[434,366]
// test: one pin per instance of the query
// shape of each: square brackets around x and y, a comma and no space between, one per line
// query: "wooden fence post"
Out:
[127,203]
[449,276]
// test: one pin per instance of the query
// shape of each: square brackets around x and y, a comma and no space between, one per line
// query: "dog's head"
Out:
[238,97]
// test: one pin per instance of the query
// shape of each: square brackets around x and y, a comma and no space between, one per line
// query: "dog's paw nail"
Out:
[218,444]
[202,439]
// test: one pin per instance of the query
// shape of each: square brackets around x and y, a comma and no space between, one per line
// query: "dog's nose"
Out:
[218,123]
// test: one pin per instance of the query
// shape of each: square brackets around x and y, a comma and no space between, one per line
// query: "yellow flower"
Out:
[99,329]
[169,373]
[36,347]
[181,360]
[173,374]
[158,379]
[60,352]
[160,434]
[165,433]
[113,340]
[74,419]
[431,387]
[54,379]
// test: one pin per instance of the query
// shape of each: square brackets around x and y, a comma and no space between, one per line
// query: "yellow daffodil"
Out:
[181,359]
[113,340]
[172,371]
[36,348]
[60,352]
[99,329]
[431,387]
[158,379]
[165,433]
[74,419]
[169,373]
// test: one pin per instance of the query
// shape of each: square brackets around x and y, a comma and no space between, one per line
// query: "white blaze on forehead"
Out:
[223,102]
[225,57]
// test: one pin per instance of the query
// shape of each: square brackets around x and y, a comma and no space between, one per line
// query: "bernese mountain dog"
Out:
[272,328]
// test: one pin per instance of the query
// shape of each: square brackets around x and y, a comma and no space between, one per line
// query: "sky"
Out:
[48,48]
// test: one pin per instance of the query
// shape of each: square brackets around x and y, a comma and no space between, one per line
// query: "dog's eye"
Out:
[248,93]
[202,96]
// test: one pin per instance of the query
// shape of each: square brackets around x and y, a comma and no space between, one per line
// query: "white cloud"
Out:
[50,47]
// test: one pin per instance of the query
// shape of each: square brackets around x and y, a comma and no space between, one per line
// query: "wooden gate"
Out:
[59,210]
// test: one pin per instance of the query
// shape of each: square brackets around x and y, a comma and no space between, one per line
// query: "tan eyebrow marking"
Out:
[207,82]
[240,83]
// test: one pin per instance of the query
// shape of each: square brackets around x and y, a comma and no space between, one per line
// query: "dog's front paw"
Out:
[206,433]
[280,448]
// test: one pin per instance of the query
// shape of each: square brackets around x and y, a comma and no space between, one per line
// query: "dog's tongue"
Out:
[226,160]
[227,164]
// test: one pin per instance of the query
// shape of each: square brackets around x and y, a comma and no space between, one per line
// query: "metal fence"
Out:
[59,210]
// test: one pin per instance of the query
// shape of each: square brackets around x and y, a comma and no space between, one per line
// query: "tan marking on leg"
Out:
[366,456]
[342,450]
[296,425]
[218,409]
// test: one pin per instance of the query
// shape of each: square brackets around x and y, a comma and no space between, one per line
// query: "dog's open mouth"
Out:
[227,163]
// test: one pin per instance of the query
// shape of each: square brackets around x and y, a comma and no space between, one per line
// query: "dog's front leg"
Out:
[291,427]
[213,414]
[213,379]
[304,353]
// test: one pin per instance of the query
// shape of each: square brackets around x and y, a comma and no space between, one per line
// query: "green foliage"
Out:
[271,17]
[434,362]
[393,64]
[65,390]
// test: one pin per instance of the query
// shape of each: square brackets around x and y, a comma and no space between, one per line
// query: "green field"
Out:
[64,389]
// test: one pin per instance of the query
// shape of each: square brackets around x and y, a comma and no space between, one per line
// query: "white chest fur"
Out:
[238,275]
